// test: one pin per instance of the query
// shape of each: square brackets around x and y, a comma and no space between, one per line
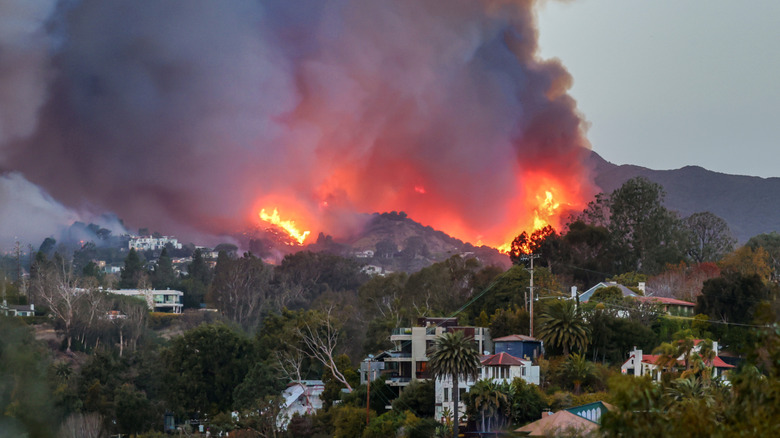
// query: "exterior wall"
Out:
[157,300]
[443,395]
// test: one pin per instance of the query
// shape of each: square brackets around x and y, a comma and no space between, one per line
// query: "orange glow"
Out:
[545,211]
[287,225]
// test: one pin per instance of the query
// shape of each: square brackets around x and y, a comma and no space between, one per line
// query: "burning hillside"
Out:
[200,117]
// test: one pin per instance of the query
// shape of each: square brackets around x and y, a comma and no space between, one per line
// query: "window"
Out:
[446,395]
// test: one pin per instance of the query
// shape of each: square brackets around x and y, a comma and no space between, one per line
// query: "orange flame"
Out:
[545,211]
[287,225]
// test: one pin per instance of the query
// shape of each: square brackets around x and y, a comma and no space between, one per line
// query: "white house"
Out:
[639,364]
[300,398]
[501,367]
[168,301]
[146,243]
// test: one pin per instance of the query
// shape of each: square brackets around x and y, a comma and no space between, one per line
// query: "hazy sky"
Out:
[667,83]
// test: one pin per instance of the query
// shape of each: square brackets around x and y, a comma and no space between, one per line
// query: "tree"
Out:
[204,366]
[561,325]
[55,284]
[320,339]
[491,401]
[770,242]
[453,355]
[645,234]
[711,237]
[732,297]
[527,401]
[242,288]
[164,276]
[577,369]
[132,273]
[747,261]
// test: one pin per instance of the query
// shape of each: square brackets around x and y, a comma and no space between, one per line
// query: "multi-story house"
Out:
[168,301]
[498,368]
[408,361]
[146,243]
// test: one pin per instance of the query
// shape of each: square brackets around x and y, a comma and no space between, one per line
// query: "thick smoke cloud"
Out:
[190,116]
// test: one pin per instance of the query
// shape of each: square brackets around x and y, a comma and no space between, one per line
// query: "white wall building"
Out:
[168,301]
[498,368]
[146,243]
[639,364]
[302,398]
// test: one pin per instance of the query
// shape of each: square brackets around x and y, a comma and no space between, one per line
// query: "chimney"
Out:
[641,287]
[574,291]
[32,307]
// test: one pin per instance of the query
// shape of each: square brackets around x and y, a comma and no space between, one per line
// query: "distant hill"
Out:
[750,204]
[391,241]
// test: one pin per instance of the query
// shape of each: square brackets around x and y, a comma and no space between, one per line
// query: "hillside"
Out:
[747,203]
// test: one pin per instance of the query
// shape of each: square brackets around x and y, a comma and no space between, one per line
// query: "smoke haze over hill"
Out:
[191,116]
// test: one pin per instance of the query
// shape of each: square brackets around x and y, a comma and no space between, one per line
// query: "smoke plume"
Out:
[191,116]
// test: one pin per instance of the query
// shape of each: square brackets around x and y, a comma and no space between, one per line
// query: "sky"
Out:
[670,83]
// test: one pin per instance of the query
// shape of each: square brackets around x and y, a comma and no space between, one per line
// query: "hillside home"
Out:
[17,310]
[639,364]
[576,421]
[498,368]
[302,398]
[521,346]
[167,301]
[408,361]
[147,243]
[585,296]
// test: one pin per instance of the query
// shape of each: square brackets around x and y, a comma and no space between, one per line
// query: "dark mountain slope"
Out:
[750,205]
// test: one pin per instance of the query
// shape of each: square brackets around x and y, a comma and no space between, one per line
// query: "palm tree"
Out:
[490,400]
[667,356]
[455,356]
[578,369]
[561,325]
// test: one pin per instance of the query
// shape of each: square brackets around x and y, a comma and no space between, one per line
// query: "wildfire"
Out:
[545,211]
[287,225]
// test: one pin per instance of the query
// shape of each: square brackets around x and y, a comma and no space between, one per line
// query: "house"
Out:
[520,346]
[408,361]
[670,306]
[300,398]
[576,421]
[585,296]
[146,243]
[168,301]
[639,364]
[499,368]
[17,310]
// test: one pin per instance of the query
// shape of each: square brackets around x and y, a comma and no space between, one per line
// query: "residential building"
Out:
[302,398]
[408,361]
[576,421]
[168,301]
[146,243]
[524,347]
[639,364]
[499,368]
[585,296]
[17,310]
[670,306]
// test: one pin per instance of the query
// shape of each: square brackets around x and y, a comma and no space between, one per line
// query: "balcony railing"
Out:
[402,331]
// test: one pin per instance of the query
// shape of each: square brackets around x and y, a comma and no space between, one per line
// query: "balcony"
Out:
[401,334]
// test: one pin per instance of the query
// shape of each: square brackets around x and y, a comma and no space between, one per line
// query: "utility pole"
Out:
[368,389]
[531,289]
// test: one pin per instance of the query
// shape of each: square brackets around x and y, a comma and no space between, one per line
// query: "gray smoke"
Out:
[189,116]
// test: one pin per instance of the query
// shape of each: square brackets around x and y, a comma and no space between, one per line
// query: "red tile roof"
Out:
[664,300]
[502,359]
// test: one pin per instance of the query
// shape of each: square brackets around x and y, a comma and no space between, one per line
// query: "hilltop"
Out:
[747,203]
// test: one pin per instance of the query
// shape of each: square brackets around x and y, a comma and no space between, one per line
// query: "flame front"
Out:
[287,225]
[546,210]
